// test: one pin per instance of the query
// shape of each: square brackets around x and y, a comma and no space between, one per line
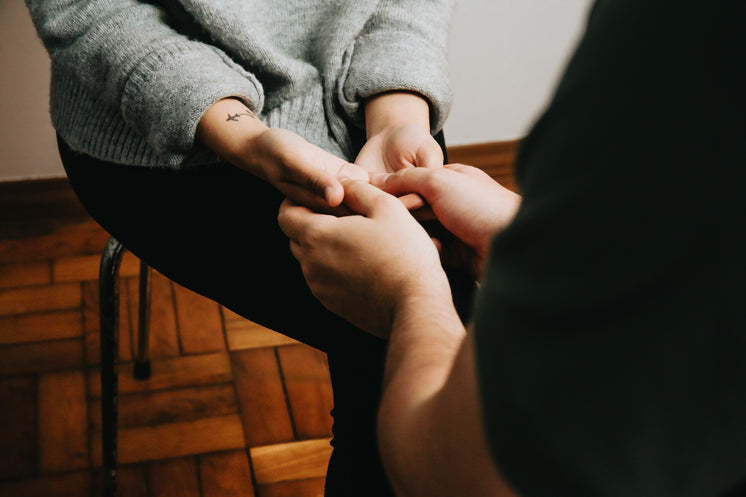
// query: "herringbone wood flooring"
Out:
[231,408]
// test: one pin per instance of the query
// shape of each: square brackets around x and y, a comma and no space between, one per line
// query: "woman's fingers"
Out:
[429,154]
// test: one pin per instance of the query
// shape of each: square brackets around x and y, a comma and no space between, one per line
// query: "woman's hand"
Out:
[305,173]
[400,146]
[368,267]
[397,126]
[301,171]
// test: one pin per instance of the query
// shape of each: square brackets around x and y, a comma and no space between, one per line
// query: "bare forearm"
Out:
[424,341]
[380,271]
[430,426]
[303,172]
[226,127]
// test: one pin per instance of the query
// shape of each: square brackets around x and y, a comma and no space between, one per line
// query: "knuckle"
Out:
[401,174]
[312,182]
[386,203]
[313,236]
[434,180]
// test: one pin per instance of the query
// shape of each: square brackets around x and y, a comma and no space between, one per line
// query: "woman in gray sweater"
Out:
[183,125]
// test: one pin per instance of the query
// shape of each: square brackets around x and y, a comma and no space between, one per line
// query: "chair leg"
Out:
[109,329]
[142,361]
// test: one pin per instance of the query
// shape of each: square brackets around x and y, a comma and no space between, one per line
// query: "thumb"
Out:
[429,154]
[333,192]
[365,199]
[404,181]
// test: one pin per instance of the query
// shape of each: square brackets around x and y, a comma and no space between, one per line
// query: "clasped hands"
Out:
[369,265]
[363,254]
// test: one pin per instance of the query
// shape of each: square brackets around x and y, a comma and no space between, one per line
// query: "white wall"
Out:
[27,142]
[505,57]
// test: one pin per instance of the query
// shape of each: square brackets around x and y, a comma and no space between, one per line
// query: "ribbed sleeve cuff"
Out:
[171,88]
[384,61]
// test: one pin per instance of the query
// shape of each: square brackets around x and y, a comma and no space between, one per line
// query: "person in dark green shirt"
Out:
[606,353]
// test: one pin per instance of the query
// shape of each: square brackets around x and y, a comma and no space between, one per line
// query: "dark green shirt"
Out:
[611,326]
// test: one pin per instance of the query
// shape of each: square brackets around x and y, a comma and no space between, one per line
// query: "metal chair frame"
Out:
[108,282]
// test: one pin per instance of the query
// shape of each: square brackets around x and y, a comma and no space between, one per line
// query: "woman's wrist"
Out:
[394,109]
[227,127]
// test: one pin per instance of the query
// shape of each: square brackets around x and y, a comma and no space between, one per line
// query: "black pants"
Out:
[213,229]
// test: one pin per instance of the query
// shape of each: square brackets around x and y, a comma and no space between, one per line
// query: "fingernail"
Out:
[328,192]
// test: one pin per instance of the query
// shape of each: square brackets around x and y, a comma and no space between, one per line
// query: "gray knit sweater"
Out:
[130,79]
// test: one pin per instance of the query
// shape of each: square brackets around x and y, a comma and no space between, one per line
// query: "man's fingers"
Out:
[331,187]
[424,214]
[438,244]
[293,219]
[363,198]
[411,180]
[352,171]
[472,171]
[412,201]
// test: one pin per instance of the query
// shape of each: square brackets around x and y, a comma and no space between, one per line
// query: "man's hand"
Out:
[303,172]
[465,200]
[367,266]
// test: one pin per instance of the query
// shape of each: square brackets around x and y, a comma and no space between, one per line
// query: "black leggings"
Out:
[213,229]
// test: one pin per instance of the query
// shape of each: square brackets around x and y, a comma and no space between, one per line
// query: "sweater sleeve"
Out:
[403,46]
[125,54]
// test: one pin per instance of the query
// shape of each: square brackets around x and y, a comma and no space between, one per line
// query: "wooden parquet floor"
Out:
[231,409]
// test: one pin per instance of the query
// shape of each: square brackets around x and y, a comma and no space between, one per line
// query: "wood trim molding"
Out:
[495,158]
[37,199]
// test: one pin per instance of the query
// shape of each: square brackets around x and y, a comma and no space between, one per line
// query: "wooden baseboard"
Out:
[29,200]
[36,199]
[495,158]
